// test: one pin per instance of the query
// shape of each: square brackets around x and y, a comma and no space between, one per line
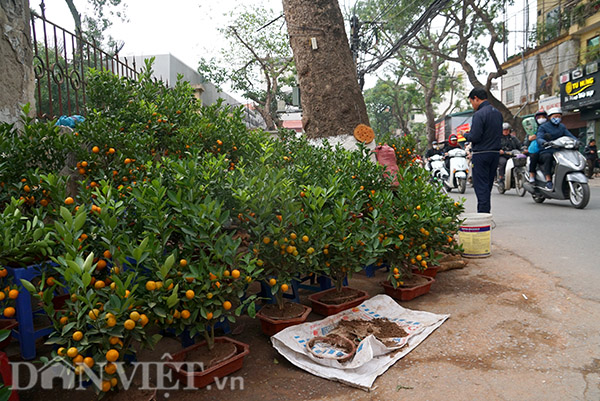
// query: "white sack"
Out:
[371,359]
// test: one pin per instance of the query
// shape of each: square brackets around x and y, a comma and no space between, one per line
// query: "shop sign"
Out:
[440,131]
[548,103]
[580,92]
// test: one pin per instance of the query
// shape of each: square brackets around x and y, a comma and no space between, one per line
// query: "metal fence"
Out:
[61,60]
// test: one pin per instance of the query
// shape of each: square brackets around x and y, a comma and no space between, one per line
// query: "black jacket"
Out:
[509,142]
[591,152]
[486,128]
[431,151]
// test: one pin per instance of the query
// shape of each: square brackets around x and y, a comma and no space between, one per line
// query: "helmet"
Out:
[434,143]
[554,110]
[541,113]
[505,126]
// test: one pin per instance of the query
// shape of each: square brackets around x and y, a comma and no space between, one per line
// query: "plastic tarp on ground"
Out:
[372,357]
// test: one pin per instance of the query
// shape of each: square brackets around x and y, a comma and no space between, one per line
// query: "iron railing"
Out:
[61,60]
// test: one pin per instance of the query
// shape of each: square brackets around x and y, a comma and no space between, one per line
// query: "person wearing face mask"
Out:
[533,150]
[549,131]
[508,143]
[434,150]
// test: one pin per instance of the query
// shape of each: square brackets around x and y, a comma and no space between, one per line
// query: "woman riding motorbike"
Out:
[550,131]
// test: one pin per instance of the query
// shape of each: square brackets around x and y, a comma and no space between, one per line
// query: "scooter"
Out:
[515,174]
[568,179]
[437,168]
[457,178]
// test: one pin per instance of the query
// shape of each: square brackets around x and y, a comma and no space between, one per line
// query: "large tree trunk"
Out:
[332,102]
[16,61]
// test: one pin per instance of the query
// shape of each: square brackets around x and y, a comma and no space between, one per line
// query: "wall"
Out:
[166,67]
[16,71]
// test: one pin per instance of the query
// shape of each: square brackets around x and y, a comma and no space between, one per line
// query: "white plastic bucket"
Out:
[475,235]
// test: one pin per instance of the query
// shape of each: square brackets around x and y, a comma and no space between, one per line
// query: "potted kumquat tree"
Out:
[417,229]
[347,241]
[204,289]
[100,319]
[271,215]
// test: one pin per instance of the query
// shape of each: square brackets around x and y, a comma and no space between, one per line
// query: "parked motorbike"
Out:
[515,174]
[437,168]
[568,179]
[459,168]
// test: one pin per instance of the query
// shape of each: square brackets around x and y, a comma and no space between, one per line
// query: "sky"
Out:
[188,29]
[185,28]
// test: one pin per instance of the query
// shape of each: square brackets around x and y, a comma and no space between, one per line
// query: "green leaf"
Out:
[55,340]
[79,221]
[160,312]
[88,262]
[66,215]
[87,279]
[173,299]
[28,286]
[252,310]
[37,234]
[4,334]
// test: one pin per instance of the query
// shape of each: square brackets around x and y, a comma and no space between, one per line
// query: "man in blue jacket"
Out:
[485,136]
[549,131]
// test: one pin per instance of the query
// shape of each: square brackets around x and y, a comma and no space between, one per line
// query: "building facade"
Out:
[564,60]
[167,67]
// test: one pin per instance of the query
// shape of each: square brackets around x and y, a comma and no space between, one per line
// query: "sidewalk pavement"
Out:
[594,182]
[514,334]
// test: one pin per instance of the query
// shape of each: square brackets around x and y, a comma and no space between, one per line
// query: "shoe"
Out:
[532,180]
[549,185]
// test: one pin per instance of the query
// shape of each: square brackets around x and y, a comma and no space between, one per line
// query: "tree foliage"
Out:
[94,25]
[431,74]
[391,104]
[473,31]
[257,62]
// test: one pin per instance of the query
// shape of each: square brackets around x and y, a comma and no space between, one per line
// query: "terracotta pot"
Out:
[206,377]
[330,309]
[431,271]
[58,302]
[406,294]
[273,326]
[7,324]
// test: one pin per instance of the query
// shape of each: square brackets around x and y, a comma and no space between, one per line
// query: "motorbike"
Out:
[437,168]
[457,177]
[515,174]
[568,179]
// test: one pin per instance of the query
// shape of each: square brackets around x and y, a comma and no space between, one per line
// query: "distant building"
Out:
[562,70]
[455,123]
[167,67]
[293,121]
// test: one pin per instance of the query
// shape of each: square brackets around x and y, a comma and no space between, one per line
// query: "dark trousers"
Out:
[484,171]
[546,161]
[591,163]
[502,165]
[533,161]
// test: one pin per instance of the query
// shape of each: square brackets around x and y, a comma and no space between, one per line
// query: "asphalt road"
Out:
[554,236]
